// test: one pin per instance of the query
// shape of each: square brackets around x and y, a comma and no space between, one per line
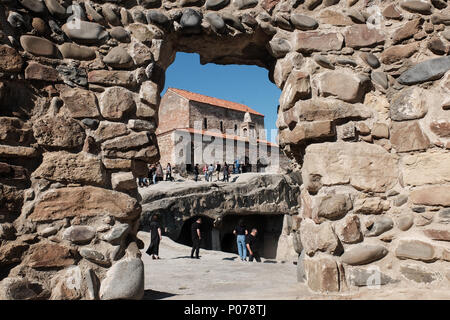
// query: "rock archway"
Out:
[363,112]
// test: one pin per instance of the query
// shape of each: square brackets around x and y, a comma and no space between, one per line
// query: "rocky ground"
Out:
[219,275]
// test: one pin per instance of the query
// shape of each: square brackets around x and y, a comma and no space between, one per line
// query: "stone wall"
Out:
[364,110]
[166,147]
[182,148]
[229,118]
[173,112]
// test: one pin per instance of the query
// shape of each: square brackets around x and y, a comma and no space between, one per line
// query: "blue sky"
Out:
[249,85]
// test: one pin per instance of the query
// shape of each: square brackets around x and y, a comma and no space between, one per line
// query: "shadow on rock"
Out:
[156,295]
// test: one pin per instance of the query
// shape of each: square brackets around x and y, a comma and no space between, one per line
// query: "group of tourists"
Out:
[225,169]
[208,172]
[246,242]
[156,174]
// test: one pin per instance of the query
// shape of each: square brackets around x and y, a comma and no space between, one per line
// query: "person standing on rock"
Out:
[210,172]
[252,247]
[205,171]
[225,172]
[169,172]
[141,182]
[196,238]
[241,232]
[159,172]
[196,172]
[155,238]
[218,170]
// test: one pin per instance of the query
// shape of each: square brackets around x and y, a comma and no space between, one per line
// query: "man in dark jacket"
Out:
[252,247]
[196,238]
[225,172]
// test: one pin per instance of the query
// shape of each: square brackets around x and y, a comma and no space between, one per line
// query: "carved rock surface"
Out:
[307,42]
[432,196]
[38,46]
[348,230]
[118,58]
[125,280]
[363,254]
[425,71]
[408,136]
[380,225]
[85,32]
[426,168]
[318,238]
[84,201]
[318,109]
[418,273]
[408,104]
[367,277]
[346,163]
[322,274]
[80,103]
[74,51]
[343,85]
[79,234]
[10,60]
[331,207]
[68,167]
[415,249]
[116,102]
[50,255]
[58,131]
[359,36]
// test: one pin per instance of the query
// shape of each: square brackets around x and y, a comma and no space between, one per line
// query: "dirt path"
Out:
[219,275]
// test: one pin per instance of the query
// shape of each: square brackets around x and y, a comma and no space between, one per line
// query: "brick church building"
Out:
[195,128]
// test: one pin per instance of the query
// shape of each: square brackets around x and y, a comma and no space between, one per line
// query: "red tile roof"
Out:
[223,135]
[214,101]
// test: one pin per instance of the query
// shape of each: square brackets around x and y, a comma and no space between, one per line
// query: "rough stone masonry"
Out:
[365,112]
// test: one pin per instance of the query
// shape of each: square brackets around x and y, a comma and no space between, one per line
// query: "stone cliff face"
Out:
[270,202]
[262,194]
[364,110]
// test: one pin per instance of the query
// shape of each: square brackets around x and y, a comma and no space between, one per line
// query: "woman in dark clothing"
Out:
[151,174]
[155,238]
[196,172]
[241,231]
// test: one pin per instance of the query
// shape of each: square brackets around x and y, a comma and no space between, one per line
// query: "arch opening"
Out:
[239,105]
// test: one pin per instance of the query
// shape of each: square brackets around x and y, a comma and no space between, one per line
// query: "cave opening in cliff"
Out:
[206,228]
[269,230]
[219,236]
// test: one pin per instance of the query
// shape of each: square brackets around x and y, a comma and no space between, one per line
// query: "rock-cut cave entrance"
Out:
[206,231]
[220,237]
